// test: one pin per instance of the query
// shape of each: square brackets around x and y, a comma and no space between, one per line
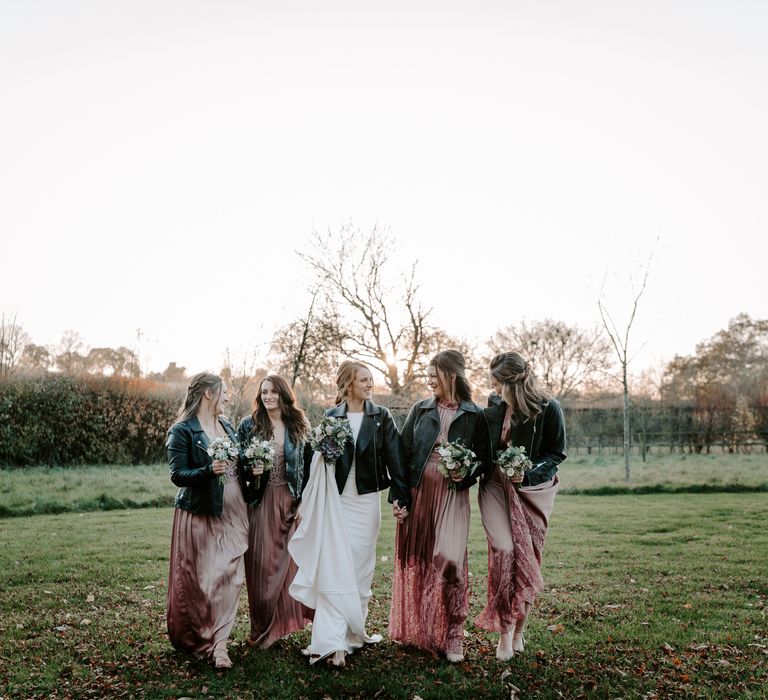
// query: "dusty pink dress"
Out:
[429,586]
[269,568]
[206,572]
[514,553]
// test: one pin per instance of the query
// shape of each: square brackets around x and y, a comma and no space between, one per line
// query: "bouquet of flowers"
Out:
[260,451]
[513,461]
[455,458]
[330,436]
[222,448]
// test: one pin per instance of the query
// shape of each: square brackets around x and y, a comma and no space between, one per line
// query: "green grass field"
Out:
[647,596]
[46,490]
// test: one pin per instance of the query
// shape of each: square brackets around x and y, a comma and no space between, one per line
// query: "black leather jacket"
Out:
[377,453]
[200,490]
[297,458]
[422,427]
[543,438]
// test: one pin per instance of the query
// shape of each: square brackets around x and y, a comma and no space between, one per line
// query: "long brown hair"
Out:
[345,375]
[293,416]
[198,385]
[519,386]
[451,362]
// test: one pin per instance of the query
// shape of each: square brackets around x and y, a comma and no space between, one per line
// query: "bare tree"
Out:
[564,357]
[307,350]
[620,341]
[13,339]
[385,324]
[36,359]
[240,374]
[69,358]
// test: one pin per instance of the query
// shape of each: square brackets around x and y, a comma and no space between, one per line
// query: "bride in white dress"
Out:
[335,543]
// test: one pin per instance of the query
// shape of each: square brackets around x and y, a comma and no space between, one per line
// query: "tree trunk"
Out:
[626,422]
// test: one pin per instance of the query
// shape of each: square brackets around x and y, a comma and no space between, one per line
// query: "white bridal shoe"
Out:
[339,658]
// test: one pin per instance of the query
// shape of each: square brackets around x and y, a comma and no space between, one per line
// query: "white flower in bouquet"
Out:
[513,461]
[455,459]
[330,436]
[260,451]
[222,449]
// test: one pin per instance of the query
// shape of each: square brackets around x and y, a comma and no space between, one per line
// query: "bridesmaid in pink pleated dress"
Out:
[515,510]
[210,526]
[430,580]
[274,500]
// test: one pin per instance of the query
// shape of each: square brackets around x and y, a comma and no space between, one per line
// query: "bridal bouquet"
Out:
[222,448]
[513,461]
[330,436]
[455,458]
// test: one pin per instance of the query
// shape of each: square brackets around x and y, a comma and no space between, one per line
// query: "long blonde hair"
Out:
[198,385]
[519,386]
[345,375]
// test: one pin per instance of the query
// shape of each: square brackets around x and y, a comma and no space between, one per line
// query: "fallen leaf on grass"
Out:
[85,621]
[698,647]
[666,647]
[61,628]
[687,606]
[556,629]
[89,598]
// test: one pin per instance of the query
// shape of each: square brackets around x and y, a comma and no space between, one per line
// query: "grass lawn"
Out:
[648,596]
[45,490]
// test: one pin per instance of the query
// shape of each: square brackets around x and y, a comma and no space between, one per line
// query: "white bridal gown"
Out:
[334,548]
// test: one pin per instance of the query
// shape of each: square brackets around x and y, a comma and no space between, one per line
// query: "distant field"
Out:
[654,596]
[717,471]
[39,490]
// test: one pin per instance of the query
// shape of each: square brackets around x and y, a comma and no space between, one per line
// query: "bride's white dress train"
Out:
[334,548]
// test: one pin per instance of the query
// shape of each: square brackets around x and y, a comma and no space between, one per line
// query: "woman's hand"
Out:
[257,468]
[219,466]
[516,478]
[456,475]
[399,512]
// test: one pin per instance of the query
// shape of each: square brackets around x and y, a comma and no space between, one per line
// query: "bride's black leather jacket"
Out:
[377,453]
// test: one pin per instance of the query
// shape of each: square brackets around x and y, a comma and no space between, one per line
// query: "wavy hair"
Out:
[451,363]
[198,385]
[293,416]
[519,385]
[345,375]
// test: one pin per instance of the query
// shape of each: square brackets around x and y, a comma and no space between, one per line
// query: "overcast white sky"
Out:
[161,162]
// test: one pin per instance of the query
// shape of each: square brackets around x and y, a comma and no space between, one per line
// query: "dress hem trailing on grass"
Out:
[206,574]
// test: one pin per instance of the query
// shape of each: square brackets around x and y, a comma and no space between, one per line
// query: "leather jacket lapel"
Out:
[368,427]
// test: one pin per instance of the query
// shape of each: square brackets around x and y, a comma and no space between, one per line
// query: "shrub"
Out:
[62,420]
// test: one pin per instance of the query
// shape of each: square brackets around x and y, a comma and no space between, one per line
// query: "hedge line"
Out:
[63,420]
